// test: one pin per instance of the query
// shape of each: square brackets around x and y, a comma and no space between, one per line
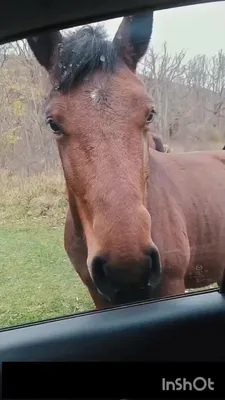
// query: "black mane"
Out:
[81,54]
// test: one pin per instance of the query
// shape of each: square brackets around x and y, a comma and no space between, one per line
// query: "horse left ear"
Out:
[44,47]
[133,37]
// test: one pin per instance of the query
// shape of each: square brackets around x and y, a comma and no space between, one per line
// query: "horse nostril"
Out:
[99,270]
[100,275]
[154,267]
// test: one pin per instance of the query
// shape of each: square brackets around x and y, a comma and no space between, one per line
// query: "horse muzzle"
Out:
[117,284]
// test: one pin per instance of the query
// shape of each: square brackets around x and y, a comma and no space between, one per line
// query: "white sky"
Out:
[199,29]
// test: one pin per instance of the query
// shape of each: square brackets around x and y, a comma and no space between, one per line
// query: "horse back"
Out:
[190,189]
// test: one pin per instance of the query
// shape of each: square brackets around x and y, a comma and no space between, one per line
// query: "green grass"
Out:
[37,280]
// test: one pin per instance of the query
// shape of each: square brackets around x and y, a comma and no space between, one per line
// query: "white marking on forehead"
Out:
[95,95]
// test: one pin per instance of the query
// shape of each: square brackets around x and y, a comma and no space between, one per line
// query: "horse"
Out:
[141,224]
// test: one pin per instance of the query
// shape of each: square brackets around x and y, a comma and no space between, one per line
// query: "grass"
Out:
[37,199]
[37,280]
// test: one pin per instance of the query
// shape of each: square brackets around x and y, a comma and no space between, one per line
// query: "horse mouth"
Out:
[126,297]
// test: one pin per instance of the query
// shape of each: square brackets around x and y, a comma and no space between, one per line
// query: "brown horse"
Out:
[141,223]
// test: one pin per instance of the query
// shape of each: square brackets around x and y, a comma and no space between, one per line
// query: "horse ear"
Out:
[133,37]
[158,143]
[44,46]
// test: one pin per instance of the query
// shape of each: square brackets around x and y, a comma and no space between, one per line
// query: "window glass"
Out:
[112,185]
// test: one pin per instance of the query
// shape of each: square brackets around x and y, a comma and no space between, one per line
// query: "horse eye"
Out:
[54,127]
[150,116]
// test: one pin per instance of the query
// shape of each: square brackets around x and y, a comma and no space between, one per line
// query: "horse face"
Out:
[99,112]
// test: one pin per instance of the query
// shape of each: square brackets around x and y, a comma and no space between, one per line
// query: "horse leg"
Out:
[172,286]
[76,250]
[173,275]
[174,271]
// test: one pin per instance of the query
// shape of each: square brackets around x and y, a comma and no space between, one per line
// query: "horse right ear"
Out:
[133,36]
[44,46]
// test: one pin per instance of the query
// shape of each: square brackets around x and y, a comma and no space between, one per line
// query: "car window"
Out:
[112,163]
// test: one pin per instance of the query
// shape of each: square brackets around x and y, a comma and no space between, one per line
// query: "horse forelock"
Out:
[81,54]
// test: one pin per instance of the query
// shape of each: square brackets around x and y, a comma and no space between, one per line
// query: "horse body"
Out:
[141,223]
[187,218]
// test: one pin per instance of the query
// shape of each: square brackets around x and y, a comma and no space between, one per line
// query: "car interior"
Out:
[188,328]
